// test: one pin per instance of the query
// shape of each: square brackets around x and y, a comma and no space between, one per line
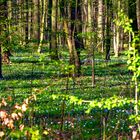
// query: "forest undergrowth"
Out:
[58,106]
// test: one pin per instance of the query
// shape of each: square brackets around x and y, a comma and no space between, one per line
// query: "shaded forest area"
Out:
[69,69]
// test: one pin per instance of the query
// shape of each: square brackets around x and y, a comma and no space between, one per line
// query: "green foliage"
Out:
[124,22]
[83,106]
[133,60]
[10,39]
[134,57]
[133,52]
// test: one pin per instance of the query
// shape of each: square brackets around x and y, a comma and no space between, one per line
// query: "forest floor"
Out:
[71,108]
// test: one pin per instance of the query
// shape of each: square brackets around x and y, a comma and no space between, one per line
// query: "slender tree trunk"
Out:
[2,17]
[9,17]
[0,52]
[26,21]
[121,39]
[90,38]
[35,21]
[0,62]
[100,25]
[84,20]
[116,31]
[108,26]
[74,56]
[20,21]
[117,42]
[69,42]
[77,39]
[29,19]
[89,27]
[53,45]
[6,49]
[59,30]
[62,37]
[94,39]
[46,22]
[9,6]
[42,24]
[138,13]
[24,24]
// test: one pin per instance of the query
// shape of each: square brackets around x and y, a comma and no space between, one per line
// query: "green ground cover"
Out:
[70,108]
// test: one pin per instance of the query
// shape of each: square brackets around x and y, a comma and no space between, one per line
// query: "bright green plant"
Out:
[133,54]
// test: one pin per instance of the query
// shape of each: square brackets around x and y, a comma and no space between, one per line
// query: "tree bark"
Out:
[53,43]
[42,24]
[7,32]
[2,17]
[100,26]
[116,30]
[138,13]
[0,63]
[78,40]
[35,21]
[71,31]
[108,26]
[29,19]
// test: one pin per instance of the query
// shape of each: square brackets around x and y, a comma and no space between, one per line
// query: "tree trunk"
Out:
[84,21]
[20,22]
[42,24]
[74,58]
[29,19]
[26,21]
[7,41]
[9,6]
[116,31]
[35,20]
[69,42]
[53,45]
[0,63]
[121,39]
[78,40]
[23,19]
[2,17]
[100,26]
[108,26]
[138,13]
[9,17]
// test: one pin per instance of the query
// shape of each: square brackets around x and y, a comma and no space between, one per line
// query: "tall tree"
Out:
[7,52]
[0,49]
[53,43]
[116,28]
[72,28]
[7,32]
[42,23]
[100,26]
[108,29]
[35,20]
[138,13]
[29,18]
[2,24]
[20,22]
[78,40]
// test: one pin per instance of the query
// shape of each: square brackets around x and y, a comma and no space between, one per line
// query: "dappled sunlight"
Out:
[69,70]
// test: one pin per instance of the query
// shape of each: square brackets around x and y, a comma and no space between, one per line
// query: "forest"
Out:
[69,69]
